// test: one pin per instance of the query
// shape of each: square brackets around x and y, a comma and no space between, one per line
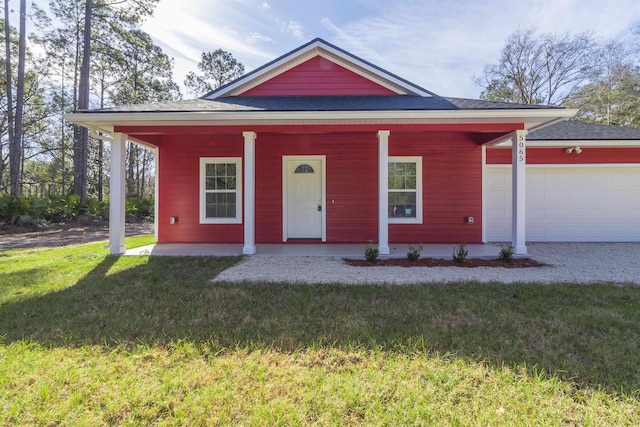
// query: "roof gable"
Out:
[318,76]
[320,52]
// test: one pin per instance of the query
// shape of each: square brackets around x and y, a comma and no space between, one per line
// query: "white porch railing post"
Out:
[383,192]
[249,192]
[519,189]
[117,195]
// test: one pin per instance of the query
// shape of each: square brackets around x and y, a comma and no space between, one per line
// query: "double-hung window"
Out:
[405,190]
[221,190]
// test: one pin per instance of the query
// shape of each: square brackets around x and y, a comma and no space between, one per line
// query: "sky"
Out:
[438,44]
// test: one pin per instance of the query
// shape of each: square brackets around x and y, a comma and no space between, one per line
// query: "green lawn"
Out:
[90,339]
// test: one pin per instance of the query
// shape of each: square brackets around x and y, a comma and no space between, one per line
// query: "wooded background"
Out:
[92,54]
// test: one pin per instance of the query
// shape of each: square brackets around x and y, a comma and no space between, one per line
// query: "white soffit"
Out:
[319,48]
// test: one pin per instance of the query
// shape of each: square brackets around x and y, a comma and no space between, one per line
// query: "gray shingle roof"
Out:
[319,103]
[578,131]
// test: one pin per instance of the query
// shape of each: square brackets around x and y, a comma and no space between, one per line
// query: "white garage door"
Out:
[568,204]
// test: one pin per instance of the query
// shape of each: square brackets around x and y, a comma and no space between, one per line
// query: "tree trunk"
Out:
[7,45]
[81,144]
[63,171]
[145,165]
[132,158]
[15,148]
[101,144]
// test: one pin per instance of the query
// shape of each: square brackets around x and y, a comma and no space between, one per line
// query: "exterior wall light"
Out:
[576,150]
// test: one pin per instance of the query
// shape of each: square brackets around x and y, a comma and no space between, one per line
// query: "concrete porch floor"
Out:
[309,250]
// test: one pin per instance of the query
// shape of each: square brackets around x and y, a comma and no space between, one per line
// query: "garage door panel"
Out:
[537,213]
[619,179]
[568,204]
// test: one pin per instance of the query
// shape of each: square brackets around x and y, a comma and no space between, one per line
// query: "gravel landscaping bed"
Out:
[568,262]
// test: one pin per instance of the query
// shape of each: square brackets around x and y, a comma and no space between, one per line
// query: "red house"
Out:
[323,146]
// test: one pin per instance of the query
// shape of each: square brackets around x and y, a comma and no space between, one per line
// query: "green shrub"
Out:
[61,209]
[506,253]
[138,209]
[460,253]
[17,211]
[414,252]
[34,212]
[371,252]
[97,208]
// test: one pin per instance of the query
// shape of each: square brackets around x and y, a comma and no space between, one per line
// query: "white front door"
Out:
[304,200]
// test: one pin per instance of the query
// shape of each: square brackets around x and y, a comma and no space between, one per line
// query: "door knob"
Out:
[319,208]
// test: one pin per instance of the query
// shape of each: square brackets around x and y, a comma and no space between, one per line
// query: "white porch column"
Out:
[249,193]
[519,188]
[383,192]
[156,185]
[117,195]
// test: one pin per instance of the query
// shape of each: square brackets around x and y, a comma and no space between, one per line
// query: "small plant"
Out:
[506,253]
[460,253]
[414,252]
[371,252]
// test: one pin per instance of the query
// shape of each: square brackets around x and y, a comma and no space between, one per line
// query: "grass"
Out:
[90,339]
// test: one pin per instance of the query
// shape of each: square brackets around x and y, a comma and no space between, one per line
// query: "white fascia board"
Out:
[373,73]
[318,48]
[256,78]
[108,132]
[579,143]
[385,81]
[109,120]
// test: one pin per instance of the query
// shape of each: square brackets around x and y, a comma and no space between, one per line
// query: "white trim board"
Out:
[572,165]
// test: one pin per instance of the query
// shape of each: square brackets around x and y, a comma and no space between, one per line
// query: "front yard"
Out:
[90,339]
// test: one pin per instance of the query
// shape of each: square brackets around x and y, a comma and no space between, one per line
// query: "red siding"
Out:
[451,188]
[451,185]
[351,163]
[318,76]
[557,156]
[179,188]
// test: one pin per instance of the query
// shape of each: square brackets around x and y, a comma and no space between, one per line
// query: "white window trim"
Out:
[418,161]
[203,204]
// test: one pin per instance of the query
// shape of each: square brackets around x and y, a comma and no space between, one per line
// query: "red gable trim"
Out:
[318,76]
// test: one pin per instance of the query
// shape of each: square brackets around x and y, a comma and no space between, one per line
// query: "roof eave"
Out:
[617,143]
[531,118]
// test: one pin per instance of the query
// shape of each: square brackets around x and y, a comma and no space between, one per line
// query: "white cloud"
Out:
[265,6]
[253,38]
[291,27]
